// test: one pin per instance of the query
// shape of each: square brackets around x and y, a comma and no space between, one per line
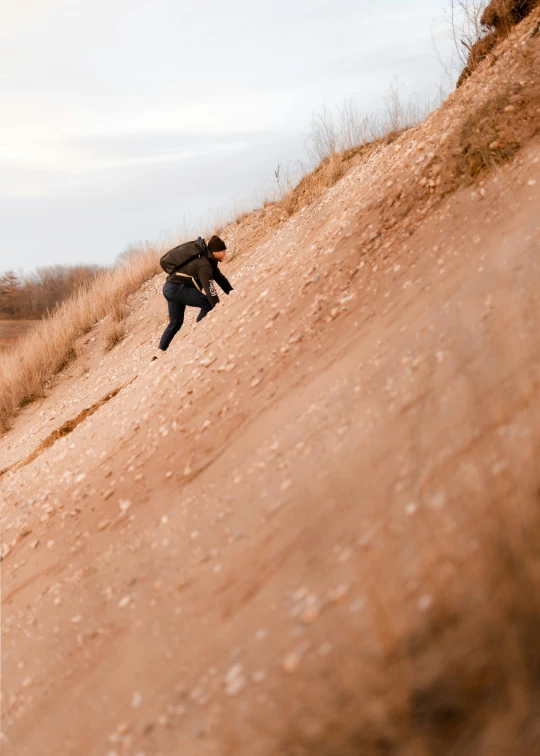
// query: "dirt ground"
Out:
[312,526]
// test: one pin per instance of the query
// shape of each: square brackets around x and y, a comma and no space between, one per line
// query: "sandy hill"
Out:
[312,527]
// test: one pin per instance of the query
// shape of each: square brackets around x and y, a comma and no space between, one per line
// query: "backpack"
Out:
[179,256]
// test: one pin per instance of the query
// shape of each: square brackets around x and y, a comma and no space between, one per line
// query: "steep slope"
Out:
[311,527]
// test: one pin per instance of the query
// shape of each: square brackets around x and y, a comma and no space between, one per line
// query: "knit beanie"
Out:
[216,244]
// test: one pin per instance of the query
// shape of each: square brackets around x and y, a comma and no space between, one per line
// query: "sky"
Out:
[126,121]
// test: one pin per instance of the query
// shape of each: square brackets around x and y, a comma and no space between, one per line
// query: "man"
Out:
[192,285]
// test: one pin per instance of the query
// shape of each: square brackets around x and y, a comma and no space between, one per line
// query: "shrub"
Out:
[489,25]
[114,335]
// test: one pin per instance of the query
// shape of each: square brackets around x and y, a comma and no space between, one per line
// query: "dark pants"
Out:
[179,297]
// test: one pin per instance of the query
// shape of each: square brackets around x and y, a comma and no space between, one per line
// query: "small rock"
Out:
[310,614]
[235,680]
[290,662]
[358,605]
[136,700]
[103,524]
[108,493]
[438,500]
[76,619]
[345,555]
[286,484]
[51,544]
[324,649]
[424,602]
[34,544]
[338,593]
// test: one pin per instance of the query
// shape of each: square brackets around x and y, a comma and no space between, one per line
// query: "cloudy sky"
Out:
[126,120]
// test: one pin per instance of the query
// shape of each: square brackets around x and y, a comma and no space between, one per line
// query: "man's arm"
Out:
[205,277]
[221,281]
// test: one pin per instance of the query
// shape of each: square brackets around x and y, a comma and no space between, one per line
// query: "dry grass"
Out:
[504,14]
[483,145]
[119,310]
[315,183]
[493,133]
[114,335]
[335,141]
[484,25]
[50,346]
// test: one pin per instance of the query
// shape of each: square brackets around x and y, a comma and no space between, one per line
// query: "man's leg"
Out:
[204,311]
[193,298]
[176,319]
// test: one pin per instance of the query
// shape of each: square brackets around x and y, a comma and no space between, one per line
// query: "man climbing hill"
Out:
[193,269]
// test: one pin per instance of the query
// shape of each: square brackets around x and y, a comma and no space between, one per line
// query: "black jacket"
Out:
[201,274]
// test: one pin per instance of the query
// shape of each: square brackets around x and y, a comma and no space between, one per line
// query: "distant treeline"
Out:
[33,295]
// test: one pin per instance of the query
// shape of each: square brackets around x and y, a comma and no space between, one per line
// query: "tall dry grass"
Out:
[346,128]
[337,137]
[50,346]
[477,26]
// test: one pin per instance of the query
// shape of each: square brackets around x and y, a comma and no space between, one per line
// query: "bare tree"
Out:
[35,294]
[10,293]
